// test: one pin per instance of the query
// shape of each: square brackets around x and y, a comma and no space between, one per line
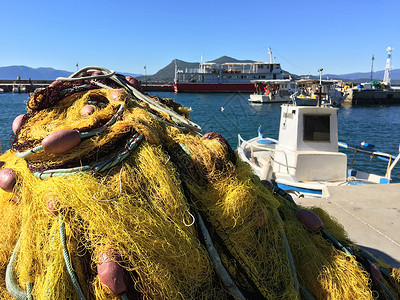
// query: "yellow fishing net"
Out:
[144,192]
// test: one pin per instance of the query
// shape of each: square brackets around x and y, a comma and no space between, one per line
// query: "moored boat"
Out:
[273,90]
[313,90]
[225,77]
[306,157]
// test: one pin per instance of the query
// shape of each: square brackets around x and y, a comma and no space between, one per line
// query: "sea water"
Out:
[231,114]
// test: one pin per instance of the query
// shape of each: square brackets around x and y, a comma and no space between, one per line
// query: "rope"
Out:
[288,253]
[67,260]
[11,283]
[220,269]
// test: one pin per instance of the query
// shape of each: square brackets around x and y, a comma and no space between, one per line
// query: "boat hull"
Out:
[267,99]
[213,88]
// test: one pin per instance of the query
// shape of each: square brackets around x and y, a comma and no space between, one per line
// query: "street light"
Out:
[320,87]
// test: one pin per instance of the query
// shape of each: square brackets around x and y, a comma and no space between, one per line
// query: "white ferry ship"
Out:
[226,77]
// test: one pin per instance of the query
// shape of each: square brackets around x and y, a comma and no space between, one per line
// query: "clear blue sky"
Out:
[339,36]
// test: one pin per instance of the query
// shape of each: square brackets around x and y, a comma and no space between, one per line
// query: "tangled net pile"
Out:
[108,193]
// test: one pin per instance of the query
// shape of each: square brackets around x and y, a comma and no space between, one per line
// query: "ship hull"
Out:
[213,88]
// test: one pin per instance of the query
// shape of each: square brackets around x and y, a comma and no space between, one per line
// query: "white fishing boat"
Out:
[306,158]
[310,91]
[272,91]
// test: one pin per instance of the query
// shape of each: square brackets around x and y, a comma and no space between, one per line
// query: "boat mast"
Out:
[388,68]
[271,59]
[372,66]
[176,72]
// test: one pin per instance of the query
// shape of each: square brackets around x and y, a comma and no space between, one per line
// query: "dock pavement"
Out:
[370,214]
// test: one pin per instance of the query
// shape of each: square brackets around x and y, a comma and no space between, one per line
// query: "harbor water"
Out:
[231,114]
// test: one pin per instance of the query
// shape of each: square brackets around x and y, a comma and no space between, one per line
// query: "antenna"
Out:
[372,66]
[388,68]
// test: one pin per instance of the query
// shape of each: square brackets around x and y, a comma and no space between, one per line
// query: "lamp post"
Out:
[145,74]
[320,88]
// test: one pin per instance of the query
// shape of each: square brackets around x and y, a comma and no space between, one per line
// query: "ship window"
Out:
[317,128]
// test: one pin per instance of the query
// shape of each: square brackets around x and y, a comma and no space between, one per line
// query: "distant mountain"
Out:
[167,73]
[12,72]
[365,76]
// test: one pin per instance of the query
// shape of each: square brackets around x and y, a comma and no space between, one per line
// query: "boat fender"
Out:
[8,178]
[17,123]
[87,110]
[309,219]
[111,274]
[61,141]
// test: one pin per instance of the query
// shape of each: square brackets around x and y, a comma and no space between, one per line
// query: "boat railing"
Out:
[242,141]
[390,159]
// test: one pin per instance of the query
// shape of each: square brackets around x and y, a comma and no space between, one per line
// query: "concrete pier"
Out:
[373,97]
[370,215]
[24,86]
[28,86]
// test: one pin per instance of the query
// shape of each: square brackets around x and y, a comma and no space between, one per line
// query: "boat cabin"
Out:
[308,144]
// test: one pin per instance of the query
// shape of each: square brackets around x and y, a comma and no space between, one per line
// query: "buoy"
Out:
[309,219]
[61,141]
[375,272]
[54,83]
[261,217]
[268,184]
[52,205]
[118,95]
[15,199]
[16,125]
[8,178]
[87,110]
[111,274]
[134,82]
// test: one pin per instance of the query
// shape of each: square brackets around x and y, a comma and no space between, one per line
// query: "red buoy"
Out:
[118,95]
[87,110]
[309,219]
[16,125]
[61,141]
[111,274]
[8,178]
[375,272]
